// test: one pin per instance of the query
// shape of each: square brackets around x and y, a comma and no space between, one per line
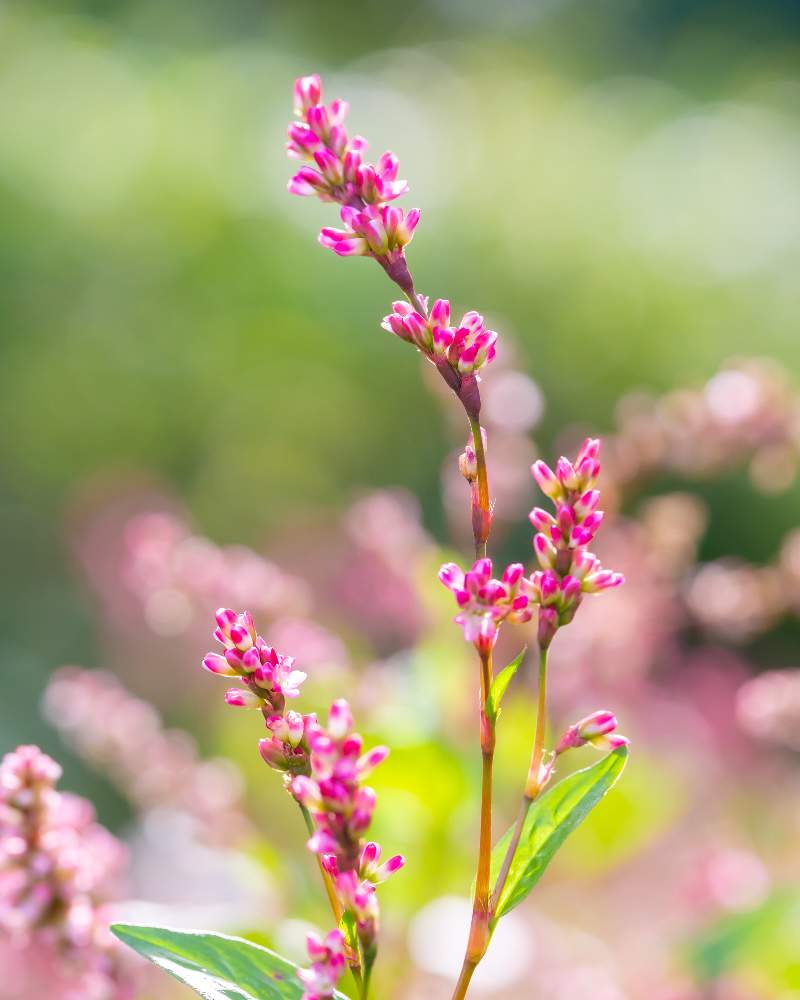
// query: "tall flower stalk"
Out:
[335,171]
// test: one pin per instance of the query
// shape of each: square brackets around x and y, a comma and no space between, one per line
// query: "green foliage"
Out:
[550,820]
[500,684]
[762,942]
[215,966]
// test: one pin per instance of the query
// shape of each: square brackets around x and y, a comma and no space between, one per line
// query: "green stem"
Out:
[531,786]
[367,980]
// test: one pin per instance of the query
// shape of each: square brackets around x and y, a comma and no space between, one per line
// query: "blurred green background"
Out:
[615,185]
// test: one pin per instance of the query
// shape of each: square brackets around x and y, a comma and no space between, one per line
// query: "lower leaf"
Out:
[215,966]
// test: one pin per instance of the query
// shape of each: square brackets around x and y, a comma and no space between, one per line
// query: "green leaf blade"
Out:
[550,820]
[500,684]
[215,966]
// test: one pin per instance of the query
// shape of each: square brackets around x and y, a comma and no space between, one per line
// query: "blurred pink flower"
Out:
[58,870]
[154,767]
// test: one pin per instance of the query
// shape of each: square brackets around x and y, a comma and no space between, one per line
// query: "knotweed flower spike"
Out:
[342,806]
[568,569]
[325,768]
[336,171]
[58,870]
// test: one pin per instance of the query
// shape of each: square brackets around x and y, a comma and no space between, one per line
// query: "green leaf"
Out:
[348,927]
[214,965]
[550,820]
[500,683]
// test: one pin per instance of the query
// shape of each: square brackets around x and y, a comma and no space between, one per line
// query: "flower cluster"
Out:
[342,808]
[327,965]
[568,569]
[485,603]
[268,677]
[339,174]
[335,171]
[374,231]
[58,868]
[467,347]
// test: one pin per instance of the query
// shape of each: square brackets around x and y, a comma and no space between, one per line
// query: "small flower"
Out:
[339,173]
[485,602]
[466,347]
[268,677]
[374,231]
[468,461]
[327,965]
[334,793]
[370,870]
[537,780]
[599,729]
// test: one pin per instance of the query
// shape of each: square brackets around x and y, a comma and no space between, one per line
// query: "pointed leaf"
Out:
[215,966]
[550,820]
[500,683]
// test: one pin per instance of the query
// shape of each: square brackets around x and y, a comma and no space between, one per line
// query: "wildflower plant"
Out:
[324,766]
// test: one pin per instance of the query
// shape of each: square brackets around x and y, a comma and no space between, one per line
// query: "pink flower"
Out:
[466,347]
[468,461]
[334,792]
[597,729]
[339,173]
[268,677]
[568,570]
[369,868]
[485,602]
[327,965]
[58,869]
[374,231]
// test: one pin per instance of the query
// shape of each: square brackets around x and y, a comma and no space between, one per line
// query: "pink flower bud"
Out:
[545,551]
[273,752]
[546,480]
[307,792]
[243,698]
[589,449]
[340,719]
[612,742]
[440,313]
[597,724]
[602,581]
[307,93]
[372,759]
[566,474]
[216,664]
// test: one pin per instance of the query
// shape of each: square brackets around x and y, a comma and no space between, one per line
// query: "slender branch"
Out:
[531,786]
[333,899]
[467,969]
[478,940]
[482,517]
